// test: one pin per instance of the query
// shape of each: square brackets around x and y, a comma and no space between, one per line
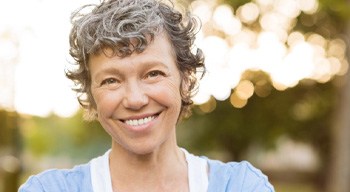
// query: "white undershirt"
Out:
[197,173]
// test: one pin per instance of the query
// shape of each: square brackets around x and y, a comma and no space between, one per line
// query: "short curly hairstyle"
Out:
[117,24]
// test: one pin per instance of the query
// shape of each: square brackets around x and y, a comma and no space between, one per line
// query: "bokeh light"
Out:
[257,36]
[232,47]
[40,32]
[248,13]
[245,89]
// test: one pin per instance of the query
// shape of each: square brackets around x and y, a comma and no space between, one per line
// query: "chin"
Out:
[143,149]
[144,152]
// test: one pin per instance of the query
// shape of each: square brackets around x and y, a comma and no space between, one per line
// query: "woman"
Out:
[135,75]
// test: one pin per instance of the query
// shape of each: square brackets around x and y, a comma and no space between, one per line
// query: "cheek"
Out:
[168,94]
[106,102]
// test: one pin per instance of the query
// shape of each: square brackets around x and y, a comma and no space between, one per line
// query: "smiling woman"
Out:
[143,86]
[136,74]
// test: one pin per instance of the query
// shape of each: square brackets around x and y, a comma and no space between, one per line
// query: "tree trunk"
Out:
[339,178]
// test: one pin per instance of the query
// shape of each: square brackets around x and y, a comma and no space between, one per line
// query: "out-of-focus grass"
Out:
[294,187]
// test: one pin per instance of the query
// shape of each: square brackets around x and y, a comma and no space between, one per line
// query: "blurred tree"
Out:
[71,137]
[340,170]
[9,152]
[303,113]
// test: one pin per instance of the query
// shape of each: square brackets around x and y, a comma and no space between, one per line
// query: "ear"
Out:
[186,86]
[90,115]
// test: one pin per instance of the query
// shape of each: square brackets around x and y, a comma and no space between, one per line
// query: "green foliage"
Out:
[64,136]
[9,151]
[7,125]
[338,9]
[301,113]
[234,3]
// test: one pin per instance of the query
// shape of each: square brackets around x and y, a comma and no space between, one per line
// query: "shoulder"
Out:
[237,176]
[75,179]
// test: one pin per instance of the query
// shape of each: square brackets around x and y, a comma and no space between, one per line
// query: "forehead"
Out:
[159,49]
[160,45]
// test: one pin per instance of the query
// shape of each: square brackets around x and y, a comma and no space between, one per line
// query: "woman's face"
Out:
[137,97]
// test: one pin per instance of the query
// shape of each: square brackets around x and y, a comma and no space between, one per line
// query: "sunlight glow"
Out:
[225,20]
[237,102]
[287,56]
[41,30]
[8,54]
[202,10]
[309,6]
[294,38]
[245,89]
[208,106]
[34,52]
[248,13]
[288,8]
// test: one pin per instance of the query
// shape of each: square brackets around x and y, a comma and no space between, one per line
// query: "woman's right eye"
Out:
[108,81]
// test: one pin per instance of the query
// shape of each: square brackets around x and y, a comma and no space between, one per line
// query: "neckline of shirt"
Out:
[197,172]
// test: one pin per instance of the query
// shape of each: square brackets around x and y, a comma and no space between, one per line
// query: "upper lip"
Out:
[135,117]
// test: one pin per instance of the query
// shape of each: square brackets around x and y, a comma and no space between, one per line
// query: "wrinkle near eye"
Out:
[155,73]
[108,81]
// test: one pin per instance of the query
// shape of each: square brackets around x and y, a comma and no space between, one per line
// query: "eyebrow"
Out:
[145,65]
[150,64]
[108,70]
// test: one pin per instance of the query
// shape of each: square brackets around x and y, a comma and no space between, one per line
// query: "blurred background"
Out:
[277,91]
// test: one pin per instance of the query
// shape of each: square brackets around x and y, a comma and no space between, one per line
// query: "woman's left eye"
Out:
[156,73]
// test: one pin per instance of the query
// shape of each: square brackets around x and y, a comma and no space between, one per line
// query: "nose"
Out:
[135,97]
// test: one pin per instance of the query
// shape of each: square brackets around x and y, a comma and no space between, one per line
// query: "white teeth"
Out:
[137,122]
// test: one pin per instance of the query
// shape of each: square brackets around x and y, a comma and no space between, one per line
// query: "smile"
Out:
[138,122]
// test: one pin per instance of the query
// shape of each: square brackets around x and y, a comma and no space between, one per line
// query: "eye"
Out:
[108,81]
[154,74]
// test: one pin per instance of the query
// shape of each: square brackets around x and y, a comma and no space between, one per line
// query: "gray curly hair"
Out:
[114,24]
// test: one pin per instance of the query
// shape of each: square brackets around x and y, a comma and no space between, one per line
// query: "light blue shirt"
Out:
[223,177]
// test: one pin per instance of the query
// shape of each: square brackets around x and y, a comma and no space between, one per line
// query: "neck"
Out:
[165,163]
